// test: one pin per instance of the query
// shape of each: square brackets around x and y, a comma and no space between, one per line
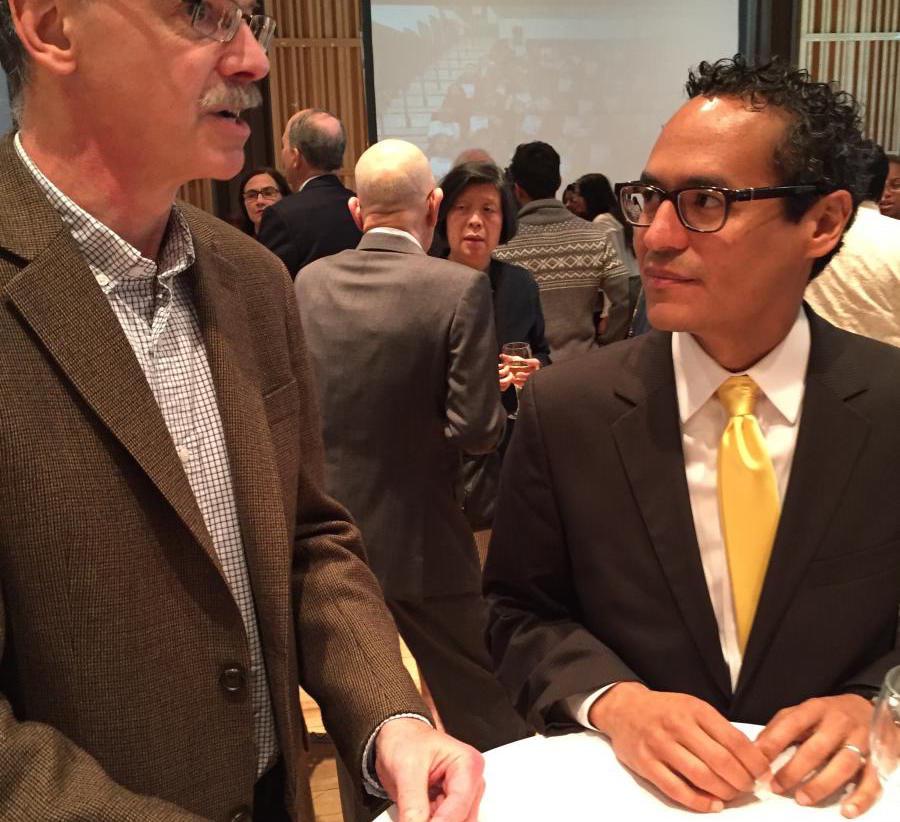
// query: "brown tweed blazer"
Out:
[115,620]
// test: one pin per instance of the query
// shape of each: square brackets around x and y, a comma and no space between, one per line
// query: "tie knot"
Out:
[738,395]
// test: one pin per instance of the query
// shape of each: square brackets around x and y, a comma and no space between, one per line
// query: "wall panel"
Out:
[856,43]
[317,61]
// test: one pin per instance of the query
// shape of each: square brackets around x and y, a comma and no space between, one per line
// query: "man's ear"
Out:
[828,217]
[434,206]
[356,212]
[43,27]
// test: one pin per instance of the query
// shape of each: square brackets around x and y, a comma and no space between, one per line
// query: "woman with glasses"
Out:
[260,188]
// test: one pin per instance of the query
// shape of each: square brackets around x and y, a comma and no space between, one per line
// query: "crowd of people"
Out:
[233,464]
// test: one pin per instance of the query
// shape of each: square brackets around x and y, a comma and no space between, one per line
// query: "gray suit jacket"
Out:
[404,354]
[116,623]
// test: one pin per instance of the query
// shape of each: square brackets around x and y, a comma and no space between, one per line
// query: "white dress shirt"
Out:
[781,376]
[395,232]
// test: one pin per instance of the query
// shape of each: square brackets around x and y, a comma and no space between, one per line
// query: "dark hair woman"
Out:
[260,188]
[602,208]
[476,215]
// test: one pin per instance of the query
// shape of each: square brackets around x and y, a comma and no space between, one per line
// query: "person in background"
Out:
[602,209]
[314,221]
[405,359]
[574,263]
[260,188]
[890,197]
[573,201]
[476,214]
[860,289]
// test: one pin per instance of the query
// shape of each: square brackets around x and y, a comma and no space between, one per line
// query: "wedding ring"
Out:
[853,749]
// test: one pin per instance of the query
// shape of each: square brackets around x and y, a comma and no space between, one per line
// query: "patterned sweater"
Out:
[574,263]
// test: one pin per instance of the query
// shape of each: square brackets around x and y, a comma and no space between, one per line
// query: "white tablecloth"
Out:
[577,778]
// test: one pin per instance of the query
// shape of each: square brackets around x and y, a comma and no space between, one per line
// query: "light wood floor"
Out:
[323,775]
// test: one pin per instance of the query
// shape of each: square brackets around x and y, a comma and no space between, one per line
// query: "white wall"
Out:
[595,78]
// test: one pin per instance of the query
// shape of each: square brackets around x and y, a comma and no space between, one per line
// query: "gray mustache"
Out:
[231,98]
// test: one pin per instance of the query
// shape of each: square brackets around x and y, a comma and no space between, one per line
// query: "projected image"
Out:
[595,79]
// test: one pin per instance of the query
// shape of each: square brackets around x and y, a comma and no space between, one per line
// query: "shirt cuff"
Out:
[370,778]
[579,706]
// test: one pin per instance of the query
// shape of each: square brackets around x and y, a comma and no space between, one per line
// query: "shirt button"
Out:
[233,679]
[102,279]
[184,453]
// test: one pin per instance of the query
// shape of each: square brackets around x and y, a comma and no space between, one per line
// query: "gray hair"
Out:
[323,147]
[13,59]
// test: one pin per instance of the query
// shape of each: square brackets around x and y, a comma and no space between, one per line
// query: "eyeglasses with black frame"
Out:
[221,19]
[267,193]
[700,208]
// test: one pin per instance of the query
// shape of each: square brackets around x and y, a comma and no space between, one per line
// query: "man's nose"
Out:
[666,229]
[245,58]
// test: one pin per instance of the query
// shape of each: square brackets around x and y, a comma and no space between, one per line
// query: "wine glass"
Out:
[519,352]
[884,740]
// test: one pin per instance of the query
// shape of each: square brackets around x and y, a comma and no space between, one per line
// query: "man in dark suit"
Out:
[405,358]
[170,566]
[313,222]
[632,590]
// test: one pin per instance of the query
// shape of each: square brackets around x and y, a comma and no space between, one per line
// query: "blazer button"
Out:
[233,679]
[241,814]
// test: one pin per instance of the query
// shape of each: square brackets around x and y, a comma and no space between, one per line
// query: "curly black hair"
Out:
[823,143]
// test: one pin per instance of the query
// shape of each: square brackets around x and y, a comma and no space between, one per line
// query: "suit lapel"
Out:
[829,442]
[229,344]
[649,441]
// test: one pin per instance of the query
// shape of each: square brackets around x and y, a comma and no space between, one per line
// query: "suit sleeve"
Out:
[541,652]
[347,643]
[276,235]
[44,775]
[475,416]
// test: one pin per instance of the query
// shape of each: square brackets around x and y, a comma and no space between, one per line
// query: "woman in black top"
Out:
[477,214]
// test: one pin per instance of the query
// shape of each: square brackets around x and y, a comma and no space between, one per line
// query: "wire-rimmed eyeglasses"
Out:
[700,208]
[221,20]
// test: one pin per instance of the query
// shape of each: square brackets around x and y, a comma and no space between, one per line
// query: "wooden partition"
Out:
[856,43]
[317,61]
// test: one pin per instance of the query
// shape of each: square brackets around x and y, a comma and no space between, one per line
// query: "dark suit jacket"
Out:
[115,620]
[594,573]
[518,315]
[405,357]
[310,224]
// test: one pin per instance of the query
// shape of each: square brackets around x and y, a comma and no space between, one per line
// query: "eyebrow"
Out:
[698,181]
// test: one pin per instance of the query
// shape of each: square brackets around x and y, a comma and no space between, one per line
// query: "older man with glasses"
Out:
[700,526]
[170,567]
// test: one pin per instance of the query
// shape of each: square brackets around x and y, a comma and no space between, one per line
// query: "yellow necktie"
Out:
[748,499]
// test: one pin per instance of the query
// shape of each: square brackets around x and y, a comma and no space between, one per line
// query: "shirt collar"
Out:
[307,181]
[396,232]
[113,259]
[780,375]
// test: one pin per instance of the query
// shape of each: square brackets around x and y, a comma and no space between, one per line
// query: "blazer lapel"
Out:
[254,470]
[829,442]
[58,297]
[649,441]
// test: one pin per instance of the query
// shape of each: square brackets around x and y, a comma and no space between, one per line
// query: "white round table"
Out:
[577,778]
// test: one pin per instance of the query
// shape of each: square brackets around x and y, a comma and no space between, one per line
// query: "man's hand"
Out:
[517,377]
[431,776]
[681,744]
[821,728]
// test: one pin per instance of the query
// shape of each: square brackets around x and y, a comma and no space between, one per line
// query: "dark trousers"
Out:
[446,636]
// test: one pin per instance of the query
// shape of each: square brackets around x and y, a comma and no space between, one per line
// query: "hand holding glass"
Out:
[884,741]
[517,353]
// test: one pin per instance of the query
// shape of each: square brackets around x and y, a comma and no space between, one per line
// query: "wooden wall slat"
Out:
[869,69]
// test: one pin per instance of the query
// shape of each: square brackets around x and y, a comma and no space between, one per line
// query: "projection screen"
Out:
[594,78]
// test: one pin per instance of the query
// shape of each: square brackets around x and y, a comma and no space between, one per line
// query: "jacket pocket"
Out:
[880,560]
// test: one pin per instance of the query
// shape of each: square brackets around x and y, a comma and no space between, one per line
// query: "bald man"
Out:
[314,221]
[404,353]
